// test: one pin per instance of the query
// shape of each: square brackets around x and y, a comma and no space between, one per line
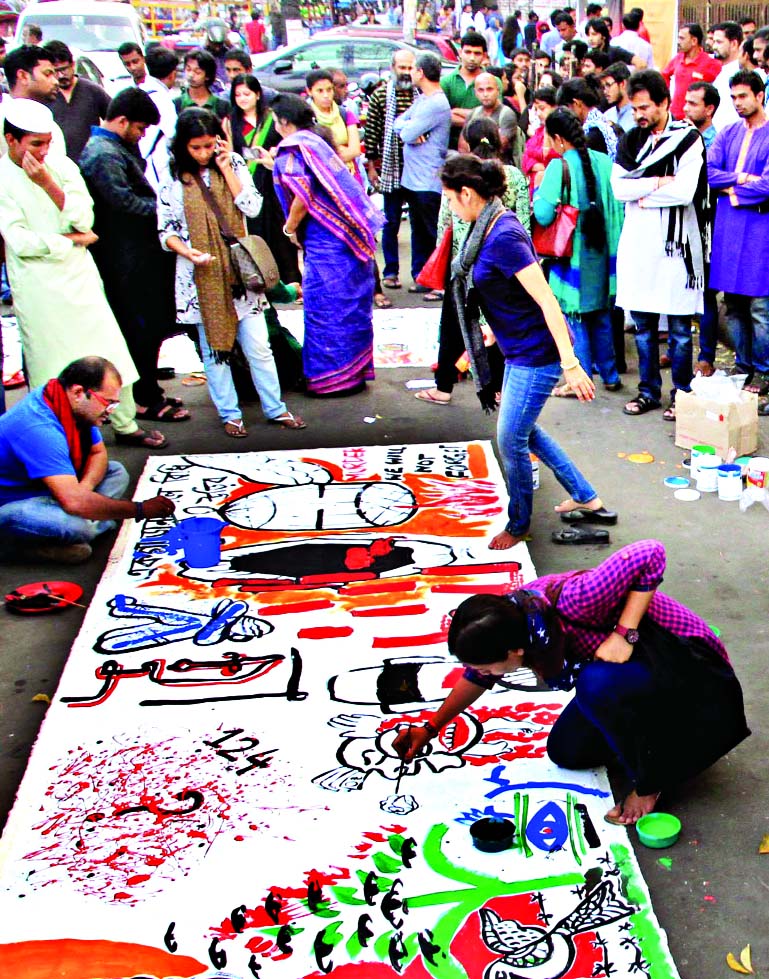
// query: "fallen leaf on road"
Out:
[744,965]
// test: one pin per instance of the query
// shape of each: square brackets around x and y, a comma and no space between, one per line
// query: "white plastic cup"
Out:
[729,482]
[757,477]
[707,473]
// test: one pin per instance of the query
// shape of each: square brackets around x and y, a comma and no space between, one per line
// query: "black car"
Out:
[286,69]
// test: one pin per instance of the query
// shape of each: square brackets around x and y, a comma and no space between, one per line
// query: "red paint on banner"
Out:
[392,610]
[325,632]
[314,606]
[499,589]
[378,586]
[394,642]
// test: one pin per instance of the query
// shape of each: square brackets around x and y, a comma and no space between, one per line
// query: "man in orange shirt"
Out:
[691,64]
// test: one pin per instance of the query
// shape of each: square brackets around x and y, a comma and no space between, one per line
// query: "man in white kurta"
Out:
[46,217]
[659,175]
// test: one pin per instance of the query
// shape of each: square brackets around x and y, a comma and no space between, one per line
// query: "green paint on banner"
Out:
[527,851]
[468,900]
[396,842]
[386,864]
[666,862]
[519,834]
[572,819]
[346,895]
[645,928]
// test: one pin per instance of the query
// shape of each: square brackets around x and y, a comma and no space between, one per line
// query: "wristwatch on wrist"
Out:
[629,635]
[431,729]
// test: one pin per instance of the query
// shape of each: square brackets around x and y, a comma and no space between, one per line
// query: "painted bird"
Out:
[531,952]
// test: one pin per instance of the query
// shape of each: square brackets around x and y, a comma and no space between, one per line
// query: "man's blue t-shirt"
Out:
[516,319]
[32,446]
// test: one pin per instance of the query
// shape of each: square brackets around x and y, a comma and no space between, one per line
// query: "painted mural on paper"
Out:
[214,788]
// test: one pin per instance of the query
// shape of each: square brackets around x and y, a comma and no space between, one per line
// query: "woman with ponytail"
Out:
[584,283]
[497,272]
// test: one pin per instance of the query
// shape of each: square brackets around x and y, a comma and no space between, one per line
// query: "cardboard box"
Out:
[700,421]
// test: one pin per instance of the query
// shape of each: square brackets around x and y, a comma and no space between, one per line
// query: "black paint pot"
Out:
[492,835]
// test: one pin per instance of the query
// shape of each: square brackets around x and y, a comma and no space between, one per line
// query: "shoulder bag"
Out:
[436,269]
[557,239]
[252,260]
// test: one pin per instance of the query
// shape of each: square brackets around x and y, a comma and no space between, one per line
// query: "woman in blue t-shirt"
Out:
[498,261]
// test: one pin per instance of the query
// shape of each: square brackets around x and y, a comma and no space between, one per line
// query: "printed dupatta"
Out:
[308,168]
[258,137]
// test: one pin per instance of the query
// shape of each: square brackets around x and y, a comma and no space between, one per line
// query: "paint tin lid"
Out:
[676,482]
[687,495]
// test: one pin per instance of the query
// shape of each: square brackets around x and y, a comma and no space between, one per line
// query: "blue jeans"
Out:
[747,320]
[525,391]
[40,520]
[393,212]
[679,344]
[607,718]
[253,338]
[594,344]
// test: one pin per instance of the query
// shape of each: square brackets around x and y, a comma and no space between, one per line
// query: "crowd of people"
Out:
[555,186]
[121,218]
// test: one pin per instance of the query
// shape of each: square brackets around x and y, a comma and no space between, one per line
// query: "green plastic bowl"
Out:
[658,830]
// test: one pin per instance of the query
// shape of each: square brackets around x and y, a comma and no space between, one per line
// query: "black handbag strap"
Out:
[224,229]
[565,182]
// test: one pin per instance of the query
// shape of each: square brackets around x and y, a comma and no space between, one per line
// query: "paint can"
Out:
[707,473]
[534,471]
[492,835]
[698,451]
[757,477]
[729,482]
[201,540]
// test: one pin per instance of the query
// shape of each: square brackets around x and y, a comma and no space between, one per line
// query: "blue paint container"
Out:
[200,539]
[492,835]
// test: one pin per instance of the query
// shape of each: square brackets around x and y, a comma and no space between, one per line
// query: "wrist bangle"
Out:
[571,366]
[286,232]
[139,511]
[431,729]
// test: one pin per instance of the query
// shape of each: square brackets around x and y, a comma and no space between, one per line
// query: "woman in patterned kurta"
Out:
[578,631]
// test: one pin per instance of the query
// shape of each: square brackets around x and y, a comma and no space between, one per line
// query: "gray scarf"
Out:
[466,302]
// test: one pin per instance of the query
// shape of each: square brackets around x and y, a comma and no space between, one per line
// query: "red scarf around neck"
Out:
[79,437]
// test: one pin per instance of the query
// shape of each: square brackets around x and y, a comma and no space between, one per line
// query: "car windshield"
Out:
[87,32]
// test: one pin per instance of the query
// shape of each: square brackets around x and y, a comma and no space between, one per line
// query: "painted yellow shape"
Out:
[763,846]
[640,458]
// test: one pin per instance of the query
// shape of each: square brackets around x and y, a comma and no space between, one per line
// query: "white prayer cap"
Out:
[28,115]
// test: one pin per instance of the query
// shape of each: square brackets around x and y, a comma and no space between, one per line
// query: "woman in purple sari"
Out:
[335,224]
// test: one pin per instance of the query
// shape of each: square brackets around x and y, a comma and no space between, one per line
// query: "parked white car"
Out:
[93,31]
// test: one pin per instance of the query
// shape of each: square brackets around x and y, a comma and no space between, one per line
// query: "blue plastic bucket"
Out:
[201,540]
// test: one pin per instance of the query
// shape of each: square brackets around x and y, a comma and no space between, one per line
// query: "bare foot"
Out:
[568,505]
[635,806]
[504,540]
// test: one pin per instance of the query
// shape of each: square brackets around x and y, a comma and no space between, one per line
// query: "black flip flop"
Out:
[582,515]
[580,535]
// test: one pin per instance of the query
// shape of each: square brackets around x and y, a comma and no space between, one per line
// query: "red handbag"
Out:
[557,239]
[435,269]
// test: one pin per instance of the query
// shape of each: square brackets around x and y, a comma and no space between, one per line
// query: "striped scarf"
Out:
[390,177]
